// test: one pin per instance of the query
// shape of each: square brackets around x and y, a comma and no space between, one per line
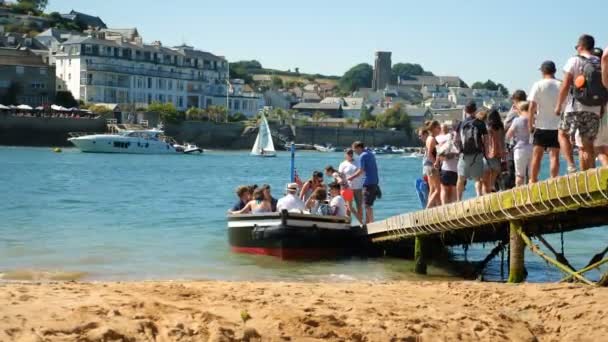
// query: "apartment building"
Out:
[115,66]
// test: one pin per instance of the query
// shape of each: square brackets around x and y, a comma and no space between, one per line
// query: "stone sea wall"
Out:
[346,136]
[32,131]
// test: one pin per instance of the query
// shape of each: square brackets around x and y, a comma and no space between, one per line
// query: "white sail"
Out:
[263,145]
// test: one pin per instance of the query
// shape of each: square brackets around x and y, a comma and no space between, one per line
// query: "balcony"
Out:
[138,71]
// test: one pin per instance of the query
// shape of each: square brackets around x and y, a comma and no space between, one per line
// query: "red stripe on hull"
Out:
[290,253]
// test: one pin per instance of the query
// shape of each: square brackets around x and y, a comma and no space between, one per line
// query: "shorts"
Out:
[429,171]
[586,123]
[493,164]
[448,178]
[370,194]
[470,166]
[358,194]
[522,161]
[602,135]
[546,138]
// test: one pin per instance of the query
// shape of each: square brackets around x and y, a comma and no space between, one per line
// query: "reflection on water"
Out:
[133,217]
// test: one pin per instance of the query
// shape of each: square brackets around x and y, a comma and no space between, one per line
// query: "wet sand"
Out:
[229,311]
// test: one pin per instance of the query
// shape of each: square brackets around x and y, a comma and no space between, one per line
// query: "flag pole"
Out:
[293,162]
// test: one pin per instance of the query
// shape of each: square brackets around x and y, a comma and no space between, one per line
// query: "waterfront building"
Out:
[115,66]
[25,78]
[280,99]
[421,81]
[382,70]
[241,99]
[333,110]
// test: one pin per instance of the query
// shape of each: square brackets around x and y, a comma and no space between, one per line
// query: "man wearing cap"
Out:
[290,202]
[543,122]
[576,116]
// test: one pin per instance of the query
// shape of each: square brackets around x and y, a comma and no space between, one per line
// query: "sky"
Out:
[505,41]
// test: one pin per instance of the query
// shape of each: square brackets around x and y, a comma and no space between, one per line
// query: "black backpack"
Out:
[470,138]
[593,92]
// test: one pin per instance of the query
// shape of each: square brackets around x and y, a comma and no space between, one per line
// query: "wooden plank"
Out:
[562,194]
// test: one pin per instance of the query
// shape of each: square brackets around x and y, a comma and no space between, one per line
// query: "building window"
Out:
[237,105]
[180,101]
[20,70]
[170,84]
[149,82]
[88,49]
[43,71]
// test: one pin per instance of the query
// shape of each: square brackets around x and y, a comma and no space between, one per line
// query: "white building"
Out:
[114,66]
[241,99]
[351,106]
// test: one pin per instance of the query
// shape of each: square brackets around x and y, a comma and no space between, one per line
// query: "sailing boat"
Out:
[263,147]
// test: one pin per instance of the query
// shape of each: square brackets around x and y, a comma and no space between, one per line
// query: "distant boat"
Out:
[263,147]
[325,148]
[150,141]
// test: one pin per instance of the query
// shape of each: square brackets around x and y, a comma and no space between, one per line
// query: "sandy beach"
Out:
[229,311]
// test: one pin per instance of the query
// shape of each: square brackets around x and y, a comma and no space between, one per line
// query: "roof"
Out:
[85,19]
[317,106]
[348,103]
[24,57]
[311,96]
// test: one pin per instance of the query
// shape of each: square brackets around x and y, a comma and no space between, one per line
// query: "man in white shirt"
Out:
[543,121]
[337,204]
[290,202]
[577,116]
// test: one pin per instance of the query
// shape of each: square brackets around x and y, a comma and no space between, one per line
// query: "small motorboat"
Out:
[325,148]
[188,148]
[289,235]
[384,150]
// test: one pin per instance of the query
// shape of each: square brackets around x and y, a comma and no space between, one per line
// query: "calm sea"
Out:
[74,215]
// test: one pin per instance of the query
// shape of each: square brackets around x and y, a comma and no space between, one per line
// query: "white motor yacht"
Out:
[149,141]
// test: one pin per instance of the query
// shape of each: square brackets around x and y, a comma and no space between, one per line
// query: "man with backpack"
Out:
[585,95]
[472,133]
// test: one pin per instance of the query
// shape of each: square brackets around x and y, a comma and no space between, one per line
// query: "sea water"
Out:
[75,215]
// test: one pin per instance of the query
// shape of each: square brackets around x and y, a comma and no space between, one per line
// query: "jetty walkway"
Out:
[572,202]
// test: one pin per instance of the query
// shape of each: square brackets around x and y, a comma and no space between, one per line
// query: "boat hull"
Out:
[291,236]
[121,144]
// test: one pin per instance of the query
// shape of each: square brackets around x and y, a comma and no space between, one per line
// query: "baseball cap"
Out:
[548,67]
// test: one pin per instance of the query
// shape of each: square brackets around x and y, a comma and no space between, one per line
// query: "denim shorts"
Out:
[470,166]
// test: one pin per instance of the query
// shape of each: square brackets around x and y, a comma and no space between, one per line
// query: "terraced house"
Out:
[115,66]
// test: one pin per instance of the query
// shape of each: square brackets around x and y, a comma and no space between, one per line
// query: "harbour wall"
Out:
[346,136]
[34,131]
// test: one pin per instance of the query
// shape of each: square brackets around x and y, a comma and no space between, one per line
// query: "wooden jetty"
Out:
[572,202]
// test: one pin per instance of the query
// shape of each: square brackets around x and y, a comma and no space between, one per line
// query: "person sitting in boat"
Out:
[268,197]
[291,202]
[337,205]
[244,195]
[316,182]
[346,193]
[259,204]
[338,177]
[317,203]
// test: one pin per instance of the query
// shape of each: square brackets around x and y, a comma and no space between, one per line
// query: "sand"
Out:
[228,311]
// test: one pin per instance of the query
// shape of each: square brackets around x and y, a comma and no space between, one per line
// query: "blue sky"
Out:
[502,40]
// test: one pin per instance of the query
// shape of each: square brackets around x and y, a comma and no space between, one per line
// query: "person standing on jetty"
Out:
[605,67]
[543,122]
[517,97]
[472,134]
[582,111]
[369,171]
[522,151]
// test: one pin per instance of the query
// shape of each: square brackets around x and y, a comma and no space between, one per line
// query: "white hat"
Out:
[292,187]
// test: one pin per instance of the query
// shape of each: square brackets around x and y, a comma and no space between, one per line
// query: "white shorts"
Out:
[522,157]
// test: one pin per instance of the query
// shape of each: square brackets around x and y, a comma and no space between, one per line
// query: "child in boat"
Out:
[259,205]
[317,203]
[337,205]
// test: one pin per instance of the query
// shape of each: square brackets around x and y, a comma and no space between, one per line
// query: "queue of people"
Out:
[352,191]
[497,155]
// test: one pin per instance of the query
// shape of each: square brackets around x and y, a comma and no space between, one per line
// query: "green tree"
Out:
[32,5]
[276,82]
[196,114]
[217,113]
[491,85]
[405,71]
[65,99]
[395,117]
[318,117]
[101,110]
[359,76]
[237,117]
[167,111]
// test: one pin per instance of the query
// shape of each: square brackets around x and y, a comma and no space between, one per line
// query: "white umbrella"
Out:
[3,107]
[39,108]
[24,107]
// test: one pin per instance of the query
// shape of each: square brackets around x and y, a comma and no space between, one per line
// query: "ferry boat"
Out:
[289,235]
[149,141]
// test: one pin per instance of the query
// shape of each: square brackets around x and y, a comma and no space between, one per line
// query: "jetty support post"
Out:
[516,253]
[419,257]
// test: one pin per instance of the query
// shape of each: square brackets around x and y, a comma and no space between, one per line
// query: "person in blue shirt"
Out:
[369,172]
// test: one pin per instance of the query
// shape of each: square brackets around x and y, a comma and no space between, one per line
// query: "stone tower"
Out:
[382,70]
